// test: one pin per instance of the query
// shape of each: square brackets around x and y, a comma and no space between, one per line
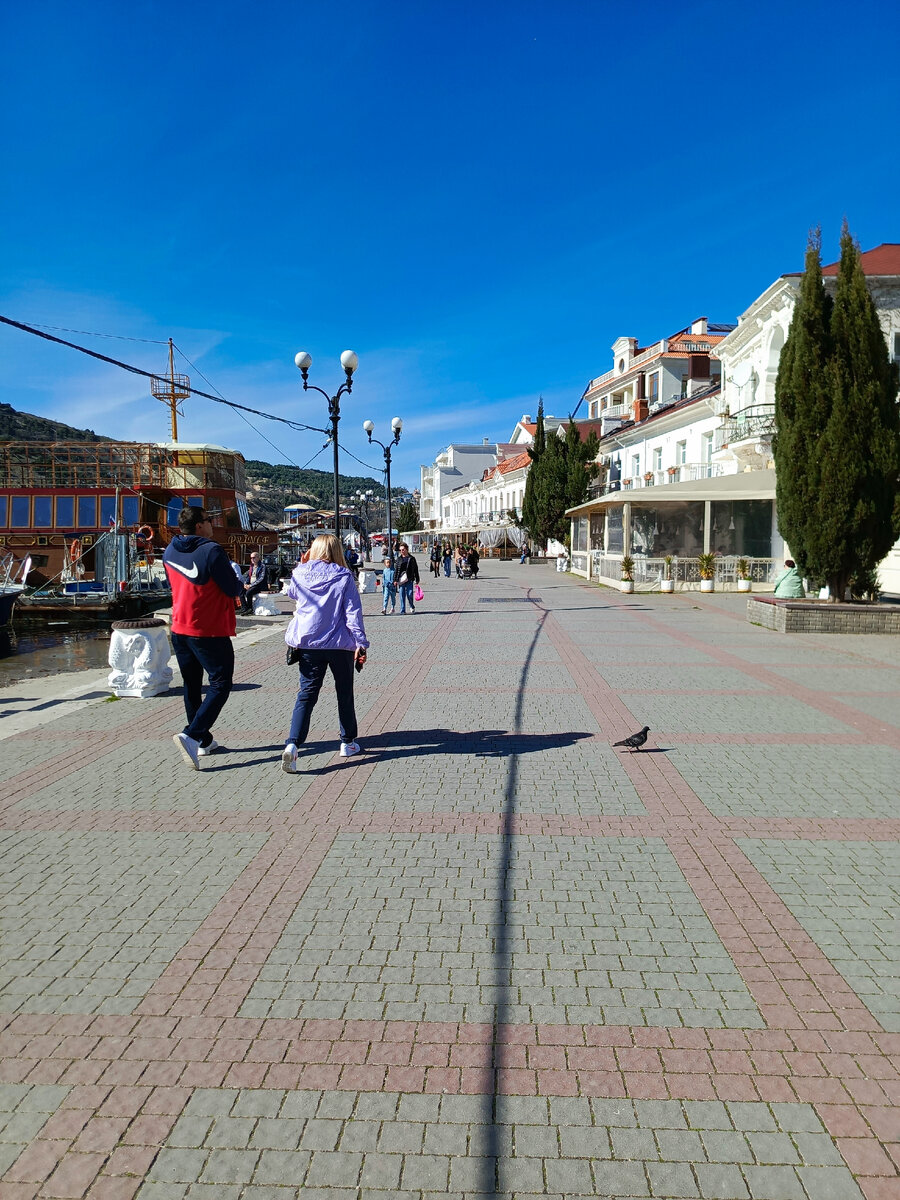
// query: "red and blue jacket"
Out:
[204,587]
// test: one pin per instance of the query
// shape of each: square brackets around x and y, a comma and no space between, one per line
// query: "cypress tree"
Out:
[860,448]
[837,429]
[801,411]
[531,519]
[558,480]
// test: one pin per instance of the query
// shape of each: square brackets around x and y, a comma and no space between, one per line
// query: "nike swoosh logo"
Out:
[190,574]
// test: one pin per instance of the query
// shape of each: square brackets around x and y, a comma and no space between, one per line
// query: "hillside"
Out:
[270,486]
[24,427]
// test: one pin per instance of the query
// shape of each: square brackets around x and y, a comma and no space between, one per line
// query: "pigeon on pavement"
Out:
[636,740]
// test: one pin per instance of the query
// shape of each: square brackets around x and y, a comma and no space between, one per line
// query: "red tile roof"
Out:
[882,260]
[512,464]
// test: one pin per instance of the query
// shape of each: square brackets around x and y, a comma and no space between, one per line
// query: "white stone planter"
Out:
[139,653]
[627,585]
[667,585]
[744,585]
[707,585]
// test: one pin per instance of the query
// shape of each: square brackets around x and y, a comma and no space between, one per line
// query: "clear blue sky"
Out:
[478,198]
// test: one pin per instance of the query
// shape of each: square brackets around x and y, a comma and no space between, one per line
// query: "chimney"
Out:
[526,419]
[699,327]
[486,441]
[640,411]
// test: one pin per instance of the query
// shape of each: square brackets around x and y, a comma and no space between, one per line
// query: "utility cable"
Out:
[258,432]
[155,375]
[122,337]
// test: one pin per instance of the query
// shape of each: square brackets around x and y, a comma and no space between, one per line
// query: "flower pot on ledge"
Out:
[667,585]
[627,585]
[744,585]
[707,585]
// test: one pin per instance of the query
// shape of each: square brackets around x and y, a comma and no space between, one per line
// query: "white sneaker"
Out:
[348,749]
[189,749]
[289,760]
[203,751]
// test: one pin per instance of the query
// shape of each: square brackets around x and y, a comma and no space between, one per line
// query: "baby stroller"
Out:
[463,570]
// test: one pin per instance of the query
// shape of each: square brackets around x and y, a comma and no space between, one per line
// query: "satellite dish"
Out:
[742,373]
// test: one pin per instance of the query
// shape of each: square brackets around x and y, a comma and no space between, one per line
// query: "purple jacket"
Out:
[328,614]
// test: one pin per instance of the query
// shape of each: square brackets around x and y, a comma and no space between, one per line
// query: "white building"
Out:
[694,472]
[455,466]
[485,503]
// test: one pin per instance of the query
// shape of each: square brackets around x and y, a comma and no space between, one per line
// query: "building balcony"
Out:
[747,424]
[747,436]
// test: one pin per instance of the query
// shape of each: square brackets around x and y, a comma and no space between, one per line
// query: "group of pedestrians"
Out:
[399,575]
[326,633]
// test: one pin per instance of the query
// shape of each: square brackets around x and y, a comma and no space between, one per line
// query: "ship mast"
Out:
[171,389]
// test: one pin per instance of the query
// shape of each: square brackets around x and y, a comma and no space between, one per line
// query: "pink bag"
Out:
[418,594]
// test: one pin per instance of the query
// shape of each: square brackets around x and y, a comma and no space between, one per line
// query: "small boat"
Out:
[12,585]
[124,585]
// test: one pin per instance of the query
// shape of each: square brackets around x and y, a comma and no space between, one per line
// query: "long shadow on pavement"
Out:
[491,1181]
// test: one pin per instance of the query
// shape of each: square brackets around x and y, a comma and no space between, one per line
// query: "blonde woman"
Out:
[327,630]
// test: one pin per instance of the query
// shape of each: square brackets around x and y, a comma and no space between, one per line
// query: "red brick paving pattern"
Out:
[130,1076]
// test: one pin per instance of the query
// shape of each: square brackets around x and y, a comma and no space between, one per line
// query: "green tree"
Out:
[801,408]
[837,441]
[860,453]
[407,517]
[558,480]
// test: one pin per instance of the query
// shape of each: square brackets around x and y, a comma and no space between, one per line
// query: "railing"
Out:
[755,422]
[649,572]
[610,376]
[686,472]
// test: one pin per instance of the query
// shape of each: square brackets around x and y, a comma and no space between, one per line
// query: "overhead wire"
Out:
[122,337]
[156,375]
[247,420]
[37,331]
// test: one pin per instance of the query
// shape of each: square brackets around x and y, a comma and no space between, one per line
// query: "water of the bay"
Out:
[27,654]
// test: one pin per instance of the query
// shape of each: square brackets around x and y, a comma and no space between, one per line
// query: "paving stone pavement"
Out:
[493,956]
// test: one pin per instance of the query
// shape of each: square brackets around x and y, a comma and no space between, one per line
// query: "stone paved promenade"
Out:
[492,956]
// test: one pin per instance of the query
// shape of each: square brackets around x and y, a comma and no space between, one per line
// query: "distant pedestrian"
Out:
[435,559]
[472,560]
[327,630]
[388,586]
[447,556]
[525,554]
[204,589]
[407,570]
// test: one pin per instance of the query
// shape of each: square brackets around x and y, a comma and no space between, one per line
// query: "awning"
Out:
[746,485]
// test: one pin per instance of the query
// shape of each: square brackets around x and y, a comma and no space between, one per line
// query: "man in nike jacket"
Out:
[204,589]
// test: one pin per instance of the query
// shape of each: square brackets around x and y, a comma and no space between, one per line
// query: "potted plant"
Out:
[648,477]
[627,584]
[706,564]
[743,575]
[667,583]
[673,470]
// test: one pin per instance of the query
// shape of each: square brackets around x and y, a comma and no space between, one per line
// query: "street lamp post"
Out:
[396,426]
[349,361]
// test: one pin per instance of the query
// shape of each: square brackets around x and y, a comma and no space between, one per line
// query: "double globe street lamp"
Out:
[349,361]
[396,426]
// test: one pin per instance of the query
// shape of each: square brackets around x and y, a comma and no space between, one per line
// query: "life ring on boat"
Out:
[75,550]
[145,533]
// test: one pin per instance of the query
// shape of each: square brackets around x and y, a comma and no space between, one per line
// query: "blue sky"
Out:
[478,198]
